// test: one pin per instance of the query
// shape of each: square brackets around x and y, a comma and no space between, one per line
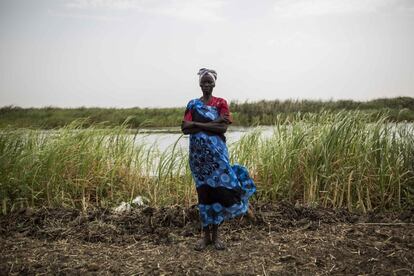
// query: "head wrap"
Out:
[204,71]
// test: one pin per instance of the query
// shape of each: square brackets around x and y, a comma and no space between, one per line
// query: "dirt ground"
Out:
[284,240]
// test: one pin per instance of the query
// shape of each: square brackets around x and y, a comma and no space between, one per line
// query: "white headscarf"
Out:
[205,71]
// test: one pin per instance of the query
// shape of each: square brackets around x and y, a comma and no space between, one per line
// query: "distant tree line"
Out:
[266,112]
[244,114]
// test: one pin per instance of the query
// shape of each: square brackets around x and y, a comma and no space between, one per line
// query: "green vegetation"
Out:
[244,114]
[335,159]
[271,112]
[79,167]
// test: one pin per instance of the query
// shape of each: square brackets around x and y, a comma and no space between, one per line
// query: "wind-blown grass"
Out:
[337,160]
[93,166]
[331,159]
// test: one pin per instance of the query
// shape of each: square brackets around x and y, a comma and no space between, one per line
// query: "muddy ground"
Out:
[284,240]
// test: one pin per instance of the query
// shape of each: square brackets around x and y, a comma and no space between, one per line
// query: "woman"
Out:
[223,190]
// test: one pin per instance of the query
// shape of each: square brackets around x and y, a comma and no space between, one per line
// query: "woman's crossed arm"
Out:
[218,126]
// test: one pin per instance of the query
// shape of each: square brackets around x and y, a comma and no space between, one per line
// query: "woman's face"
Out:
[207,84]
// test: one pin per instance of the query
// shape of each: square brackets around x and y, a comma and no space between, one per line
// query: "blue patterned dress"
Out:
[223,189]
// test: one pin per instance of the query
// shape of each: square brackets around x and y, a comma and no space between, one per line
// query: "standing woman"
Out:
[223,189]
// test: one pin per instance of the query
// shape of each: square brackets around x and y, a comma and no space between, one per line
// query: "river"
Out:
[168,136]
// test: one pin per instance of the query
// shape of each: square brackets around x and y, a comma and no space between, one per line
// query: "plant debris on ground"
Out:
[284,239]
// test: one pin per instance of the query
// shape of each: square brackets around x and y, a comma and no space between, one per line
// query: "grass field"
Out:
[338,159]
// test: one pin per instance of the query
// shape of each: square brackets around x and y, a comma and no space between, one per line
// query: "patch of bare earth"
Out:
[284,240]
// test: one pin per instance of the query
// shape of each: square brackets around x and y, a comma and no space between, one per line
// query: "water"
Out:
[163,138]
[166,137]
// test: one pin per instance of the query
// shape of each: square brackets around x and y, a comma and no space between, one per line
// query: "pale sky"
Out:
[147,53]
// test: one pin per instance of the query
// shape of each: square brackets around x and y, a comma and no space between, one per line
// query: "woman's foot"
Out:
[202,244]
[218,244]
[206,240]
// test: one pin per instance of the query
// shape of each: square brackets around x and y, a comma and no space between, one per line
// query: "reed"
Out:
[335,160]
[78,167]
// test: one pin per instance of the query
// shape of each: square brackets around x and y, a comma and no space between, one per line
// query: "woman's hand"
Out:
[223,119]
[187,125]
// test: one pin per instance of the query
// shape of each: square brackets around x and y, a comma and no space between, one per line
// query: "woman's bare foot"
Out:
[202,244]
[206,240]
[218,244]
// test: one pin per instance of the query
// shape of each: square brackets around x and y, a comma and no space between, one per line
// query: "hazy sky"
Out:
[143,53]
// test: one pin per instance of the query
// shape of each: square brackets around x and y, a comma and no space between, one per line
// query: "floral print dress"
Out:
[223,189]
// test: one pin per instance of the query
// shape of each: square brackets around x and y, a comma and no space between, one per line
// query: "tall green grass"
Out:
[335,160]
[81,167]
[329,159]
